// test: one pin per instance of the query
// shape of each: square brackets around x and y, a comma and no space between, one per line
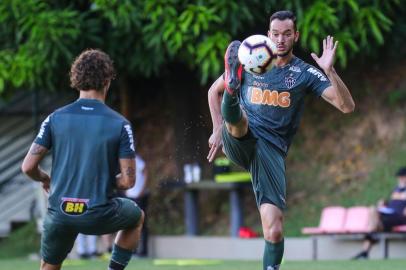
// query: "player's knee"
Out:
[141,219]
[274,234]
[239,129]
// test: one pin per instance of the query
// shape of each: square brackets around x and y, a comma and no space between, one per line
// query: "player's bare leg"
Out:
[47,266]
[239,129]
[272,227]
[124,245]
[128,239]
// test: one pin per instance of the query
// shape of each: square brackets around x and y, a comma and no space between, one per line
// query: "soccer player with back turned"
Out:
[261,113]
[91,144]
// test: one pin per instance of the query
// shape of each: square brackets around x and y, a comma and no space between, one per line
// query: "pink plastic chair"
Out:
[401,228]
[331,221]
[357,220]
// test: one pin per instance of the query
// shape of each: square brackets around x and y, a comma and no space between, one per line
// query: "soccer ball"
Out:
[257,54]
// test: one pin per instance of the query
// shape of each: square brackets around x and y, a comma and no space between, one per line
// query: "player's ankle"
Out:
[119,258]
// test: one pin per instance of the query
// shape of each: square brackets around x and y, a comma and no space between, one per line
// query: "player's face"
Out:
[283,34]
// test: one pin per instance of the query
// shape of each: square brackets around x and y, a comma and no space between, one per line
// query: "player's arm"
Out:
[126,179]
[214,98]
[338,94]
[31,168]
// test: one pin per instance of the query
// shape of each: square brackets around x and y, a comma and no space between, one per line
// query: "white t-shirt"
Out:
[135,191]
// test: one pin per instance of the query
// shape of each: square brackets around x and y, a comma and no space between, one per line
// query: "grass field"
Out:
[23,264]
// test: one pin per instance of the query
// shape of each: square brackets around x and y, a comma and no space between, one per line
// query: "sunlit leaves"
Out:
[195,32]
[209,51]
[356,25]
[38,39]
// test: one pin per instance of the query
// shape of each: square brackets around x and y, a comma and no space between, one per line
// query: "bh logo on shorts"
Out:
[74,206]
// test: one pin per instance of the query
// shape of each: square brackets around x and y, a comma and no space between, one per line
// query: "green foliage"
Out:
[366,27]
[35,39]
[315,24]
[193,32]
[397,96]
[359,26]
[150,35]
[40,38]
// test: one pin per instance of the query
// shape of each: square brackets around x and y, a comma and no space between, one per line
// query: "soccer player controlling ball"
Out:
[261,114]
[90,144]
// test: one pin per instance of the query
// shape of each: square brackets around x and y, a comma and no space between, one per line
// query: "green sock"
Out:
[230,108]
[119,258]
[273,254]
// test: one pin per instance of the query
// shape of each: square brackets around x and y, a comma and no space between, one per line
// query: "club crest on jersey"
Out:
[290,81]
[74,206]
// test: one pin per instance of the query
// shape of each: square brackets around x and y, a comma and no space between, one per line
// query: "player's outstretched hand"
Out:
[215,144]
[326,60]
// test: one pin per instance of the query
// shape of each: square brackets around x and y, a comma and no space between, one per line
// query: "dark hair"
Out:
[90,70]
[401,172]
[283,15]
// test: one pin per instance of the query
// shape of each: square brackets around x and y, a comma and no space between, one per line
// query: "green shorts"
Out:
[58,236]
[265,163]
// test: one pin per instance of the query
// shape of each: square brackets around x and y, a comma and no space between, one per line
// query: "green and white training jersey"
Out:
[87,139]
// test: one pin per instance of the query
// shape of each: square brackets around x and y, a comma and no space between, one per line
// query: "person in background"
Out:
[389,214]
[86,246]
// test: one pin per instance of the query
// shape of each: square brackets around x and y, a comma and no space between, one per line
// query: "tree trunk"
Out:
[125,99]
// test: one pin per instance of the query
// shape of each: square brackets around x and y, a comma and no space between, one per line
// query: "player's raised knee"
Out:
[141,219]
[274,235]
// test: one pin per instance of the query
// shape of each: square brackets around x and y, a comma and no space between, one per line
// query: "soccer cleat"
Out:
[233,68]
[275,267]
[360,256]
